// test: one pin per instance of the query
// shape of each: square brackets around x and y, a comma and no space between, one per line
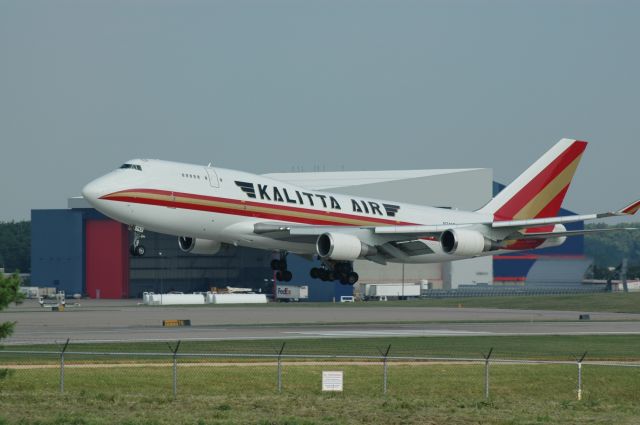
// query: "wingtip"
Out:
[630,209]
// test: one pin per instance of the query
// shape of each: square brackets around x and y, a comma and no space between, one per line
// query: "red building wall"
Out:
[107,259]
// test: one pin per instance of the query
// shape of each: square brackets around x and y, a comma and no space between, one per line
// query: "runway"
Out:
[124,320]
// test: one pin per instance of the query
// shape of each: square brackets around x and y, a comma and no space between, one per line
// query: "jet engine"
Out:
[342,247]
[465,242]
[198,246]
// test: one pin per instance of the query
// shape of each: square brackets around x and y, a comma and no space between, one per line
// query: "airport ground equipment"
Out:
[55,303]
[375,291]
[236,298]
[292,292]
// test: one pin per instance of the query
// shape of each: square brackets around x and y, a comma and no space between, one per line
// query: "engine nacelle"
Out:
[464,242]
[198,246]
[342,247]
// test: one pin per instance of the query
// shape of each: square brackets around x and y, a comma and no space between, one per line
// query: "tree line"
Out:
[15,246]
[609,248]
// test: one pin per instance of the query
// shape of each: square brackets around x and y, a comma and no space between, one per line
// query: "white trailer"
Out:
[236,298]
[292,292]
[150,298]
[379,290]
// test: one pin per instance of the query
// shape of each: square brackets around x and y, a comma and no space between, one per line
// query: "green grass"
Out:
[600,302]
[434,394]
[550,347]
[417,394]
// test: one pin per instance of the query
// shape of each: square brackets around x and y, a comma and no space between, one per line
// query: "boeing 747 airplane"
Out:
[206,207]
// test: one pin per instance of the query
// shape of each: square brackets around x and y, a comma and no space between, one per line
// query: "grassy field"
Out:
[598,302]
[141,394]
[435,394]
[550,347]
[609,302]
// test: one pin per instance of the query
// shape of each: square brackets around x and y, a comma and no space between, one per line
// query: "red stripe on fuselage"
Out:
[257,214]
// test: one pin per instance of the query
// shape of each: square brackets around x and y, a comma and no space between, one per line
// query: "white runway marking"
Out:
[393,332]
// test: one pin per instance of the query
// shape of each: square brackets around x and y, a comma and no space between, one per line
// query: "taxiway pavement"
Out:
[125,320]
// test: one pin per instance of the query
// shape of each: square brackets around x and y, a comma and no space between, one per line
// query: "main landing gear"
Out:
[335,270]
[280,267]
[136,248]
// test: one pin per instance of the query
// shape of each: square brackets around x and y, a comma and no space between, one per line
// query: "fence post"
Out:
[486,373]
[280,367]
[175,368]
[64,348]
[580,375]
[384,368]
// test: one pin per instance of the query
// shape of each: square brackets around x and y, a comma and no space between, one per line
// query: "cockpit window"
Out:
[132,166]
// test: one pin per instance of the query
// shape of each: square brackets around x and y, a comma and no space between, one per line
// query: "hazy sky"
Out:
[265,86]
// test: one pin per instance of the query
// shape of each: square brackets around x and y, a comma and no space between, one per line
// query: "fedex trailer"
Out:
[292,292]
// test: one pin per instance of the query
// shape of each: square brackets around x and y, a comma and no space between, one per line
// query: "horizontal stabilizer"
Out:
[547,235]
[537,222]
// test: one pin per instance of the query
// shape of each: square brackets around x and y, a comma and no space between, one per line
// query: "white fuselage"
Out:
[224,205]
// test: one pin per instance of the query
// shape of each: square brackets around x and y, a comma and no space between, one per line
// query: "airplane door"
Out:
[213,177]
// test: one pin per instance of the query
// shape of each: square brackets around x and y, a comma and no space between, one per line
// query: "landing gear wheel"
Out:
[275,264]
[314,273]
[279,265]
[342,268]
[352,278]
[284,276]
[137,250]
[344,279]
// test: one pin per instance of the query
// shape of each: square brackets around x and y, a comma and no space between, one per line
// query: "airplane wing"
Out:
[391,242]
[404,241]
[398,233]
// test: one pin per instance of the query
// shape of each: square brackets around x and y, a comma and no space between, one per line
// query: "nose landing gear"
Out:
[136,248]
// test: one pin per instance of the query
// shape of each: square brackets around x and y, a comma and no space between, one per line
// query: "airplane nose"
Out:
[92,191]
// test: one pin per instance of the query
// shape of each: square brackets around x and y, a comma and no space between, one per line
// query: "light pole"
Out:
[160,268]
[402,281]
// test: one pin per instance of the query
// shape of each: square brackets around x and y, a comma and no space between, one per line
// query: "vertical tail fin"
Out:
[540,190]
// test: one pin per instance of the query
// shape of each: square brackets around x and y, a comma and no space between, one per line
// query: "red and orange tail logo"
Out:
[540,190]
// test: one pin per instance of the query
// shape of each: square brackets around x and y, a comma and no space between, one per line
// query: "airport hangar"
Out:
[80,251]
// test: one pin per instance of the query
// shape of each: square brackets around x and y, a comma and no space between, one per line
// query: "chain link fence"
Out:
[174,372]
